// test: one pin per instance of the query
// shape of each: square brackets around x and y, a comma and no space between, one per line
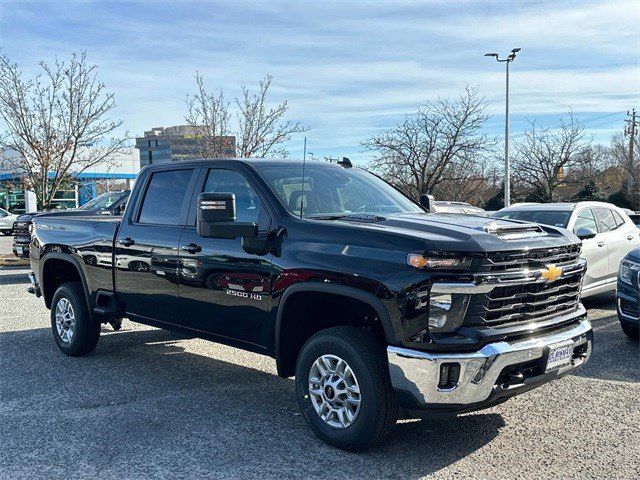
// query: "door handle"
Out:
[126,242]
[601,244]
[191,248]
[631,236]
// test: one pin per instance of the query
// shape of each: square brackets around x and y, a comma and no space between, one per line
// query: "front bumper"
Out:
[492,374]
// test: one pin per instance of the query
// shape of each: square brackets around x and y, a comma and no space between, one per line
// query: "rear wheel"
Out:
[344,390]
[631,330]
[74,331]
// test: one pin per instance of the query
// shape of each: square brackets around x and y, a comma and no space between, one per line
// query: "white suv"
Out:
[607,234]
[6,221]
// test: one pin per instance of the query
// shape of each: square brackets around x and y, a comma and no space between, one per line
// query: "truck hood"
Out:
[466,233]
[634,255]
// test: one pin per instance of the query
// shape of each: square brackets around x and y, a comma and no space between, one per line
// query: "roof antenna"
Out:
[304,162]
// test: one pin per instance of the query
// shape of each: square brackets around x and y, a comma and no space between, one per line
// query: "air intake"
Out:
[514,232]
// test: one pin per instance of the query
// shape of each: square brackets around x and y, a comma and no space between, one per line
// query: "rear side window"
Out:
[586,220]
[165,197]
[619,220]
[605,219]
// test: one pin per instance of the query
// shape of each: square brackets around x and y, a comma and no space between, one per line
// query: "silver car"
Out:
[607,234]
[6,221]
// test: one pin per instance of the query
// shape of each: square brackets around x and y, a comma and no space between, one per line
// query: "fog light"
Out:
[449,376]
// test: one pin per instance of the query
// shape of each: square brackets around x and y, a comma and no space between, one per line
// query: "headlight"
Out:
[626,273]
[31,228]
[447,311]
[438,263]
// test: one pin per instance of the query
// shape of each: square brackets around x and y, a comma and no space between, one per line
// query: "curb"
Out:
[13,262]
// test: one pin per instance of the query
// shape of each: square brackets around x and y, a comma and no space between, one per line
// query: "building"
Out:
[180,142]
[117,175]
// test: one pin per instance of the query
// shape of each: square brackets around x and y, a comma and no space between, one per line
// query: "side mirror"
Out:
[585,233]
[427,202]
[216,217]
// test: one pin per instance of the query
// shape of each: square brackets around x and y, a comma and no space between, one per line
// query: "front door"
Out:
[147,246]
[594,250]
[225,290]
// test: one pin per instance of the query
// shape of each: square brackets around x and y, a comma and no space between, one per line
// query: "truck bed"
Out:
[89,240]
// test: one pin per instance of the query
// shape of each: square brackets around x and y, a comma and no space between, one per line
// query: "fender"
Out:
[76,264]
[335,289]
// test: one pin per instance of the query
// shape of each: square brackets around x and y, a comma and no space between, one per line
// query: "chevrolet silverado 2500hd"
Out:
[378,307]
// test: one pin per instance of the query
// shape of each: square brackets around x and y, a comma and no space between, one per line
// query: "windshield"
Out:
[328,191]
[102,202]
[555,218]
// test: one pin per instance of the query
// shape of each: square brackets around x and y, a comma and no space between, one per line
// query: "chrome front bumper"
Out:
[417,373]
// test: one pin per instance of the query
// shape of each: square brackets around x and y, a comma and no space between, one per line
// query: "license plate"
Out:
[559,356]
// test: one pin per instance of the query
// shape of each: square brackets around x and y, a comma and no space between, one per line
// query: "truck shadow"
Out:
[147,403]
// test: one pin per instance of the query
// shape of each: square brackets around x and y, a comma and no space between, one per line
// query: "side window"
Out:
[228,181]
[586,220]
[618,218]
[605,219]
[164,198]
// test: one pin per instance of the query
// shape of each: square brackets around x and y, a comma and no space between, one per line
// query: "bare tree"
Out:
[630,166]
[545,156]
[441,142]
[56,123]
[209,115]
[262,129]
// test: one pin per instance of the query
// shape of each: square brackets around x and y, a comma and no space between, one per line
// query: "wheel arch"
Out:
[284,363]
[68,269]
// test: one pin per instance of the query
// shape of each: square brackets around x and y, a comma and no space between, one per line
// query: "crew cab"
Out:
[378,307]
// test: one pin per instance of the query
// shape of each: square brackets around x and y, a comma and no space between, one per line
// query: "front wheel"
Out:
[74,331]
[631,330]
[344,390]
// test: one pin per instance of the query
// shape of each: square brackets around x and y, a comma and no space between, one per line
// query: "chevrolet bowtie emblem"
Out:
[552,272]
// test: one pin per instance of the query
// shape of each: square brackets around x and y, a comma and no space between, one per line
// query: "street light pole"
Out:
[507,167]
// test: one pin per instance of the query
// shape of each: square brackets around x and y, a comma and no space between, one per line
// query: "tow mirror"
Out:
[585,233]
[216,217]
[426,201]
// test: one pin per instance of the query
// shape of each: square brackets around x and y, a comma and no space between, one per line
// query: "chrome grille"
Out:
[526,302]
[533,259]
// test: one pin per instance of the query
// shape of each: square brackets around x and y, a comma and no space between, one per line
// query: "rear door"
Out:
[146,267]
[224,289]
[594,250]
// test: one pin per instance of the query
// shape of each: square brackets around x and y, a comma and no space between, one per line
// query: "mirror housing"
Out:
[426,201]
[216,217]
[585,233]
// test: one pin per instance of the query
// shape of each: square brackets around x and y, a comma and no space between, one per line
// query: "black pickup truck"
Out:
[378,307]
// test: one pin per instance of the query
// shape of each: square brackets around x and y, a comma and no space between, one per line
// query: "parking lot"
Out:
[150,403]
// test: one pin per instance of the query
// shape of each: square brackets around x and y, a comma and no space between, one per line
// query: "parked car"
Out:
[377,306]
[108,203]
[6,221]
[607,234]
[457,207]
[628,294]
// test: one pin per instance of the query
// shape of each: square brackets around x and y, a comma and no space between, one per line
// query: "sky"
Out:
[348,69]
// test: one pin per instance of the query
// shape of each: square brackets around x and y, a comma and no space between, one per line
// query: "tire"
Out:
[367,361]
[85,332]
[631,330]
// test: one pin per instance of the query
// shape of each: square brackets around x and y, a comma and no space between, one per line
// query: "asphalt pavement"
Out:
[148,403]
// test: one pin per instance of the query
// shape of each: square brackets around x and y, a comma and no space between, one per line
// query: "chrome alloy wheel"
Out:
[65,320]
[334,391]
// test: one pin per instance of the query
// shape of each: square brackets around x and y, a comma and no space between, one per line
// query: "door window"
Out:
[618,218]
[227,181]
[605,219]
[165,197]
[586,220]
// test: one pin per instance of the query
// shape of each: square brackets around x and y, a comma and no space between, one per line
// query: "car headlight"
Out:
[626,273]
[438,262]
[447,311]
